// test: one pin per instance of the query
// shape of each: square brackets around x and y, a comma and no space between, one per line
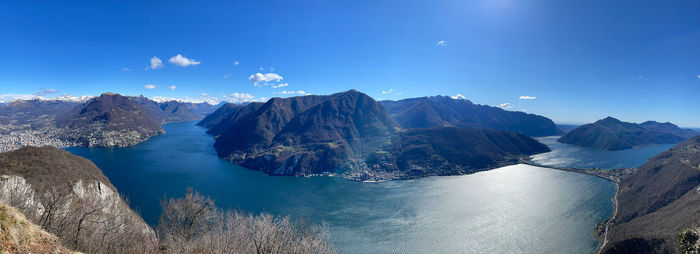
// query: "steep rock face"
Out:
[443,111]
[451,150]
[612,134]
[108,121]
[303,135]
[659,201]
[65,194]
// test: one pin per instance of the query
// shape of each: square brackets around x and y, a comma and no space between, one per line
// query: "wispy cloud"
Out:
[524,97]
[280,85]
[506,105]
[156,63]
[172,87]
[441,43]
[150,86]
[235,63]
[387,91]
[228,75]
[238,97]
[126,69]
[699,76]
[43,92]
[182,61]
[260,79]
[459,97]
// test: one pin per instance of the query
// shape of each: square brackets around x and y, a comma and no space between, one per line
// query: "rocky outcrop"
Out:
[69,196]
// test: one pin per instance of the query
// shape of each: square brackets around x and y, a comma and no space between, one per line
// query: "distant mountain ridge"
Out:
[658,202]
[108,120]
[351,134]
[443,111]
[612,134]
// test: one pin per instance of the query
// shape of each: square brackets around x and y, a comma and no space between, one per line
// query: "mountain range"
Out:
[109,120]
[351,134]
[612,134]
[443,111]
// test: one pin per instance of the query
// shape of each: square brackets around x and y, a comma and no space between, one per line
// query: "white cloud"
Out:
[261,68]
[228,75]
[441,43]
[172,87]
[236,63]
[126,69]
[68,97]
[388,91]
[182,61]
[280,85]
[527,97]
[506,105]
[260,79]
[43,92]
[150,86]
[239,97]
[698,76]
[156,63]
[459,97]
[301,92]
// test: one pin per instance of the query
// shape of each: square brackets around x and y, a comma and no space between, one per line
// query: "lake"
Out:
[565,155]
[514,209]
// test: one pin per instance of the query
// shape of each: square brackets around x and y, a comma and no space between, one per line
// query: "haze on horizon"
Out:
[571,61]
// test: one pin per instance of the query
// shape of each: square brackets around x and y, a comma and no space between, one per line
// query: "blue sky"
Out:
[580,60]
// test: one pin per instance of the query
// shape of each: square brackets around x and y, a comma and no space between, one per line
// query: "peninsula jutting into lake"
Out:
[275,127]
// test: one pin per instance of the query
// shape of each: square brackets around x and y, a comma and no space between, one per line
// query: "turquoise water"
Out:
[565,155]
[515,209]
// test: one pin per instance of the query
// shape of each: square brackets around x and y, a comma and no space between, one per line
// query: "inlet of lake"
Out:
[514,209]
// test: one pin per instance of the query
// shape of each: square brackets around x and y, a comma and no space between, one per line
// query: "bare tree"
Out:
[194,225]
[183,220]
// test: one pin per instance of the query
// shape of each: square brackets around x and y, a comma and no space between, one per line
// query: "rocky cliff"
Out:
[69,196]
